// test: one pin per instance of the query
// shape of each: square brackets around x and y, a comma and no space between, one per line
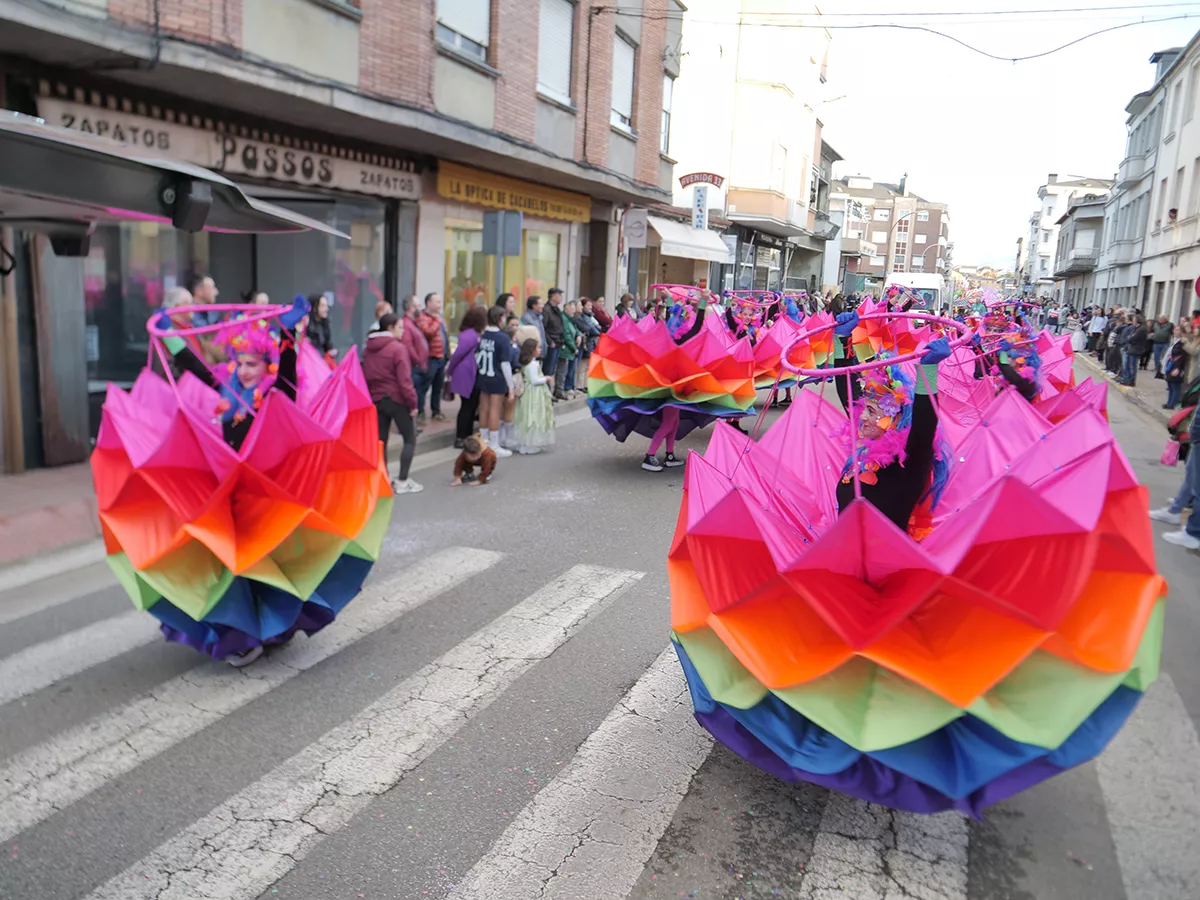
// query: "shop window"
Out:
[468,271]
[541,256]
[465,25]
[555,43]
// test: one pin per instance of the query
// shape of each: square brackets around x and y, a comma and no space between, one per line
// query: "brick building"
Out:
[904,232]
[399,122]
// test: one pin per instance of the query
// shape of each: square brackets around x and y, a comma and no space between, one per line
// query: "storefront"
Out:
[451,257]
[370,196]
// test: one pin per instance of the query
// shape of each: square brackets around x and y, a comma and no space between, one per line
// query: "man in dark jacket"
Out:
[1137,338]
[552,316]
[1160,338]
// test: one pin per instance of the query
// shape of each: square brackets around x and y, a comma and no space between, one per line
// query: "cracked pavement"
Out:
[254,838]
[57,773]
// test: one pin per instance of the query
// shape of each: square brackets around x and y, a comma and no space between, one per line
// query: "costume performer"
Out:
[662,379]
[233,512]
[826,639]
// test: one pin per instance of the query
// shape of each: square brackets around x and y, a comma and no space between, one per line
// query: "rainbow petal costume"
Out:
[922,675]
[637,370]
[231,549]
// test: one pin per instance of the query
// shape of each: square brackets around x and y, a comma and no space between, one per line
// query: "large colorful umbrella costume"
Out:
[233,547]
[1008,644]
[689,363]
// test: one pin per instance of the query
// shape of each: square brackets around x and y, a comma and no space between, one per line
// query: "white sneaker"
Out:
[530,451]
[1182,539]
[502,452]
[238,660]
[1165,515]
[407,486]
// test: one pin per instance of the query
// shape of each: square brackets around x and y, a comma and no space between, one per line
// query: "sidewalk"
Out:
[1149,394]
[48,510]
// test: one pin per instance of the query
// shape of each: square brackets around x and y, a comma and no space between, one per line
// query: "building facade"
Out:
[744,110]
[1169,153]
[400,123]
[1080,235]
[905,232]
[1041,241]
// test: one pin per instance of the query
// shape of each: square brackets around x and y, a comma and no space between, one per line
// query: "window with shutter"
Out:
[465,25]
[668,90]
[624,56]
[555,43]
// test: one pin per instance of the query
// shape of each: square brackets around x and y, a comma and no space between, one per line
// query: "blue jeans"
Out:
[1159,350]
[550,365]
[1184,498]
[1128,367]
[433,377]
[1174,393]
[569,381]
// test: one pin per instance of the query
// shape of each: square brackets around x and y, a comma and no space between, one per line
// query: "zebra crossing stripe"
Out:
[246,844]
[591,831]
[1150,779]
[44,664]
[56,773]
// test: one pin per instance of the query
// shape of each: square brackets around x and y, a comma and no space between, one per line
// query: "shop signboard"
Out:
[226,150]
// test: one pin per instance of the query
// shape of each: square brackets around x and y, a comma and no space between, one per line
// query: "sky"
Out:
[981,134]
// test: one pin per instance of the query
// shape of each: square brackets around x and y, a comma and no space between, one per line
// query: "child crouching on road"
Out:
[475,452]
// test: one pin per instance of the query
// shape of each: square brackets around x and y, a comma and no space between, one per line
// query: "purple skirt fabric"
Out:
[220,641]
[871,781]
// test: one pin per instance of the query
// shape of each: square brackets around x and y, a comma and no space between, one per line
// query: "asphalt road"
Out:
[495,717]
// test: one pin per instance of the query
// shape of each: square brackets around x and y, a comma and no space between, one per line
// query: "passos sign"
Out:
[233,155]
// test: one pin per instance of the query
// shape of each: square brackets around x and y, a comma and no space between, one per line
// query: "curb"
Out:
[1128,393]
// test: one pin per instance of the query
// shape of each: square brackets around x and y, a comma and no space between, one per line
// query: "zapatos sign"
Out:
[234,155]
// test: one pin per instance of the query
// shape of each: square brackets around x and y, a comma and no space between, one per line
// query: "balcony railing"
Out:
[1134,168]
[1077,261]
[857,247]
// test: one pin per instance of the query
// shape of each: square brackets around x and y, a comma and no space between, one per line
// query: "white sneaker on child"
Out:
[1182,539]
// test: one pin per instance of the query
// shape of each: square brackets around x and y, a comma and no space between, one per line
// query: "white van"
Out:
[929,285]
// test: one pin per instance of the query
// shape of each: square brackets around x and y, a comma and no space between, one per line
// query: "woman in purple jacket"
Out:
[461,371]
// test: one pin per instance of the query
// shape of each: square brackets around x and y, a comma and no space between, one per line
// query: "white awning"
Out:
[683,240]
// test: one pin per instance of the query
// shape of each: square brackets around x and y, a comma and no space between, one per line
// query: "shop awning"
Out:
[683,240]
[53,178]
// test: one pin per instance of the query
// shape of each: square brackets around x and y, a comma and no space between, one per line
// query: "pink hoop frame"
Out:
[258,313]
[967,334]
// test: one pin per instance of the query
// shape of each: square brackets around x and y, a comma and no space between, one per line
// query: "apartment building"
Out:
[1054,199]
[745,110]
[1163,170]
[906,232]
[399,123]
[1080,233]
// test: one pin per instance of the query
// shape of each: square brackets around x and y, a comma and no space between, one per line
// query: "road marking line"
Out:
[44,664]
[56,773]
[250,841]
[593,828]
[1150,779]
[869,852]
[49,565]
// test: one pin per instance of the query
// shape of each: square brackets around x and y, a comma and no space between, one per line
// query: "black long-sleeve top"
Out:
[236,429]
[899,488]
[695,329]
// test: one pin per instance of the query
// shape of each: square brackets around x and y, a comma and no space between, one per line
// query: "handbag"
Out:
[1170,455]
[447,393]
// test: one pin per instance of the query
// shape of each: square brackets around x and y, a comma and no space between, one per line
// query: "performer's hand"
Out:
[846,323]
[299,310]
[935,352]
